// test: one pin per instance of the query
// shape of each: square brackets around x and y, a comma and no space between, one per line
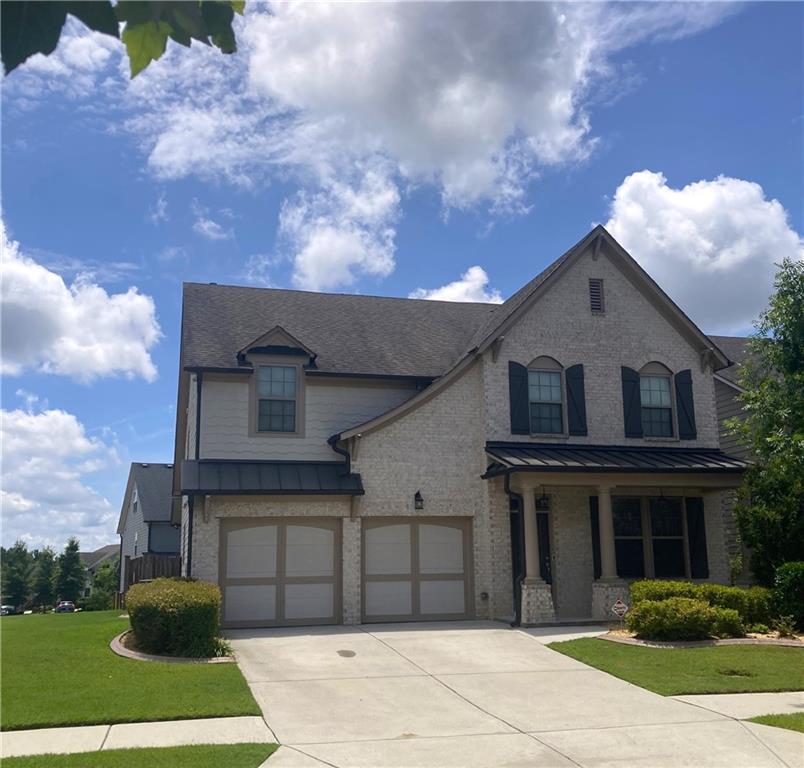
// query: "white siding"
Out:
[329,408]
[137,528]
[191,414]
[728,406]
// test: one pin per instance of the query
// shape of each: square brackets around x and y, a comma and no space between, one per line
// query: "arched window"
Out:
[657,404]
[545,396]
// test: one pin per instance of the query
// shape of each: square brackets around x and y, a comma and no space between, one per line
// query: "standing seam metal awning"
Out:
[546,457]
[210,477]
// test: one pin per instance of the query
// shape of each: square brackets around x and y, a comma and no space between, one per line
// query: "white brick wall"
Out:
[329,408]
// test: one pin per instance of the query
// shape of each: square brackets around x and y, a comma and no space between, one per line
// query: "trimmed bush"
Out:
[682,618]
[175,617]
[789,591]
[754,605]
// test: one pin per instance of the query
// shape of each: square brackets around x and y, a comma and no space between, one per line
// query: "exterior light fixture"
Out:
[543,502]
[418,501]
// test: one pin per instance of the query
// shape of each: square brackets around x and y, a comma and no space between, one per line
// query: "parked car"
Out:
[65,606]
[7,610]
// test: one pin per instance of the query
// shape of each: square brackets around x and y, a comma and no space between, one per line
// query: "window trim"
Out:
[656,369]
[287,361]
[547,364]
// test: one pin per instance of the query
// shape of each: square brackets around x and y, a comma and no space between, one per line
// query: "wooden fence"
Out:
[148,567]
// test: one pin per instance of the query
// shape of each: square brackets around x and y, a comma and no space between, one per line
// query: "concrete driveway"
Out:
[476,694]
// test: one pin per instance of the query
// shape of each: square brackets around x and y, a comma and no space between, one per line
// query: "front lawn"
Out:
[794,722]
[675,671]
[58,669]
[205,756]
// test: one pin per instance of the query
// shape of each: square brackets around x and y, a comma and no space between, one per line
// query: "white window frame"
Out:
[657,370]
[546,364]
[276,361]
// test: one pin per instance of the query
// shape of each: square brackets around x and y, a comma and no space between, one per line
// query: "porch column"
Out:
[532,572]
[608,559]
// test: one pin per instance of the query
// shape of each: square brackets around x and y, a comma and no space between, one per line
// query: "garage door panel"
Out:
[387,550]
[251,552]
[309,601]
[440,549]
[389,598]
[442,597]
[250,602]
[310,551]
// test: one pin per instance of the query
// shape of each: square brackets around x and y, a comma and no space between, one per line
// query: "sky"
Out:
[446,151]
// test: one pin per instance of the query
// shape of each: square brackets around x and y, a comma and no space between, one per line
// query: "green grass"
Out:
[58,669]
[203,756]
[794,722]
[675,671]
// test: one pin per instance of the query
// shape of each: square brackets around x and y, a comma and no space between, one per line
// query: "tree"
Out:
[16,575]
[70,577]
[44,577]
[33,26]
[104,586]
[770,511]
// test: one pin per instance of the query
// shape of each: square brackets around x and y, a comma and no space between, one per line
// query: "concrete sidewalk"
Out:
[170,733]
[743,706]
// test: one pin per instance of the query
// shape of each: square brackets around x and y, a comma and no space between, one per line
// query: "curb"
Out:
[700,643]
[117,647]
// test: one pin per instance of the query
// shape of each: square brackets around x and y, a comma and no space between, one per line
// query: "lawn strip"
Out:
[677,671]
[196,756]
[792,722]
[58,670]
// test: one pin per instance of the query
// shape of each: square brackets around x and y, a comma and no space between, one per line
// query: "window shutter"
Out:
[576,400]
[685,406]
[543,536]
[696,538]
[593,515]
[518,395]
[632,403]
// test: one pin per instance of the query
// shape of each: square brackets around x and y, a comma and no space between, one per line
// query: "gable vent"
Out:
[596,294]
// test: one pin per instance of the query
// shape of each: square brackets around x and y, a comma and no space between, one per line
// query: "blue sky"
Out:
[438,140]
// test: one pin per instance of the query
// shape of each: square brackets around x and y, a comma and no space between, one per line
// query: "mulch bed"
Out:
[125,645]
[626,638]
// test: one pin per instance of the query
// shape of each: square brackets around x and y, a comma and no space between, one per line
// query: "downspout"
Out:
[520,523]
[333,443]
[190,505]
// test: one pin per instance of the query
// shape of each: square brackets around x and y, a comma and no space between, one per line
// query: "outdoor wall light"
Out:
[418,501]
[543,502]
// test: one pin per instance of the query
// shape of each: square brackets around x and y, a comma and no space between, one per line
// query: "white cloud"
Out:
[473,286]
[159,212]
[711,245]
[210,229]
[79,330]
[47,457]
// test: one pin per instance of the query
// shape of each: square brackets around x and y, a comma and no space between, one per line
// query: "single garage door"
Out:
[280,572]
[417,570]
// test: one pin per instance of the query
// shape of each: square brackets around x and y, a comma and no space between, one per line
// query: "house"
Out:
[94,560]
[148,540]
[347,459]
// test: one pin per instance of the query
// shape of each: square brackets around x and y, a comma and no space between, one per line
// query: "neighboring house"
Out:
[144,526]
[94,560]
[346,458]
[727,391]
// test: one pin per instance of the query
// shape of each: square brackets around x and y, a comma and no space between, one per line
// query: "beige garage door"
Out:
[280,572]
[417,570]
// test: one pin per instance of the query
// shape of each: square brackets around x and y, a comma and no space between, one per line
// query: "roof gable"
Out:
[154,487]
[276,341]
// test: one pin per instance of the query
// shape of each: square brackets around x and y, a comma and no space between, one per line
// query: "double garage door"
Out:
[285,572]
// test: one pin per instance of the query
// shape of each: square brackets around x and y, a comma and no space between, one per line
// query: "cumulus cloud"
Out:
[473,286]
[78,330]
[711,245]
[47,458]
[210,229]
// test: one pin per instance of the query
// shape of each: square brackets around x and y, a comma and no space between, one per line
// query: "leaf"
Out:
[145,43]
[29,28]
[218,17]
[239,6]
[98,16]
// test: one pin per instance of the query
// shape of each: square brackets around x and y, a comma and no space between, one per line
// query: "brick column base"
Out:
[537,603]
[605,594]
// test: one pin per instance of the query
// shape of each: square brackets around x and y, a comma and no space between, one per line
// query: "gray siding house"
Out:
[347,459]
[144,526]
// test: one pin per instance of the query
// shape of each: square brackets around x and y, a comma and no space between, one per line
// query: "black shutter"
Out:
[593,514]
[576,400]
[632,403]
[685,406]
[543,536]
[696,538]
[518,396]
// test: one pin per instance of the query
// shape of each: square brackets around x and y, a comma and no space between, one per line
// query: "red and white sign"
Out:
[619,609]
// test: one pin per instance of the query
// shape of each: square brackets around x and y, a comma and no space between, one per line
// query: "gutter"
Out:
[333,443]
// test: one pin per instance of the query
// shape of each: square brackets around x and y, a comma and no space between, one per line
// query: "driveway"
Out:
[476,694]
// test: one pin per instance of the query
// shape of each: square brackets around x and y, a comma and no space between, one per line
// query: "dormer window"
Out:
[277,388]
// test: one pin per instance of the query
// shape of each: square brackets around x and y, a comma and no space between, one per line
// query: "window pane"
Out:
[630,558]
[546,418]
[657,422]
[277,416]
[627,516]
[668,557]
[655,391]
[665,517]
[544,386]
[276,381]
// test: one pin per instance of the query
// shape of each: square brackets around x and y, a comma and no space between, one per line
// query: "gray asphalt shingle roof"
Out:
[734,347]
[90,559]
[155,490]
[349,333]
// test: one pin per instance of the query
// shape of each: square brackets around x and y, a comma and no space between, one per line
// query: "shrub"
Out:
[682,618]
[789,591]
[658,589]
[175,617]
[759,608]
